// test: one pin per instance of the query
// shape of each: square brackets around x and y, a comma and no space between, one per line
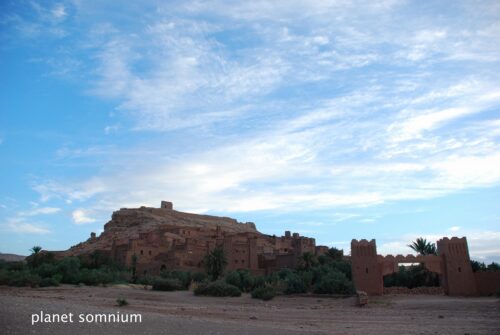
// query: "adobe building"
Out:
[452,264]
[166,239]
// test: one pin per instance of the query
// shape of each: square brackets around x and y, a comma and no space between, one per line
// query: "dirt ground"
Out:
[183,313]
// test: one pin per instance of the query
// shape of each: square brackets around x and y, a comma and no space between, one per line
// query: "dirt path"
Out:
[182,313]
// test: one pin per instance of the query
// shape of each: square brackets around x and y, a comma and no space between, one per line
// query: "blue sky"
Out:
[335,119]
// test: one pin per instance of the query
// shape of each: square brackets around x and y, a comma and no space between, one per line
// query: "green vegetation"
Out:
[422,247]
[480,266]
[167,284]
[334,282]
[121,302]
[412,276]
[217,288]
[215,262]
[264,293]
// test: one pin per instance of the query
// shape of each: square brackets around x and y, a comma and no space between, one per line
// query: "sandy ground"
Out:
[182,313]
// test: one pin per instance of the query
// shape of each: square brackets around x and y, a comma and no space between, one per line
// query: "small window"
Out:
[459,269]
[142,252]
[149,252]
[235,261]
[243,261]
[366,270]
[286,250]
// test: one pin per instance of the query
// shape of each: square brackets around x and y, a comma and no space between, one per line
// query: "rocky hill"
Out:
[128,223]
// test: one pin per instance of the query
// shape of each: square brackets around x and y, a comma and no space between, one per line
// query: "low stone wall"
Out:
[487,282]
[415,290]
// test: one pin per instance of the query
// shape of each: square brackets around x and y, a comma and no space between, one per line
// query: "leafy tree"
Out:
[423,247]
[493,266]
[335,254]
[215,262]
[307,261]
[477,266]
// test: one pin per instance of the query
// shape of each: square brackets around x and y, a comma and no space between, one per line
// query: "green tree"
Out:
[335,254]
[215,262]
[423,247]
[307,261]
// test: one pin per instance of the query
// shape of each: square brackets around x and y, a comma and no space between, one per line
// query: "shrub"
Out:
[218,288]
[233,278]
[294,284]
[334,282]
[121,302]
[412,276]
[47,270]
[167,284]
[23,278]
[95,277]
[49,281]
[264,293]
[69,268]
[183,277]
[146,280]
[198,277]
[259,281]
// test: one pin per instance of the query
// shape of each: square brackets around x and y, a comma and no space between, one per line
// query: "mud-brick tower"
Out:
[366,272]
[457,277]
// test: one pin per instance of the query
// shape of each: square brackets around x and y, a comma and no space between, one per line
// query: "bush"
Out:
[412,276]
[23,278]
[259,281]
[146,280]
[218,288]
[334,282]
[121,302]
[69,268]
[198,277]
[183,277]
[49,281]
[294,284]
[264,293]
[95,277]
[233,278]
[167,284]
[47,270]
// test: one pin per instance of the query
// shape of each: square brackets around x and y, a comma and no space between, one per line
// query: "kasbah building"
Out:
[166,239]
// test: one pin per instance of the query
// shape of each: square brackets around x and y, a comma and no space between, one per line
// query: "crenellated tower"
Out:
[457,277]
[366,271]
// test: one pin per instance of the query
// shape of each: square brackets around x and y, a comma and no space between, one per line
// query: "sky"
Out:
[334,119]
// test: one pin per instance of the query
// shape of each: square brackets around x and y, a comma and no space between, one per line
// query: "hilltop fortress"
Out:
[165,239]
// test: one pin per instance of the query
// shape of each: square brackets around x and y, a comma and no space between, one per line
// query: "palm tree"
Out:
[421,246]
[307,261]
[36,249]
[215,262]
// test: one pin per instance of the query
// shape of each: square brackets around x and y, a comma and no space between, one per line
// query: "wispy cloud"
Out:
[40,211]
[19,225]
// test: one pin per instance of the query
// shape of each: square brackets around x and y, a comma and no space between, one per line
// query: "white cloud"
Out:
[18,225]
[81,216]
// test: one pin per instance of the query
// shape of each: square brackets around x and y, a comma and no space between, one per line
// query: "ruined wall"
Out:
[487,282]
